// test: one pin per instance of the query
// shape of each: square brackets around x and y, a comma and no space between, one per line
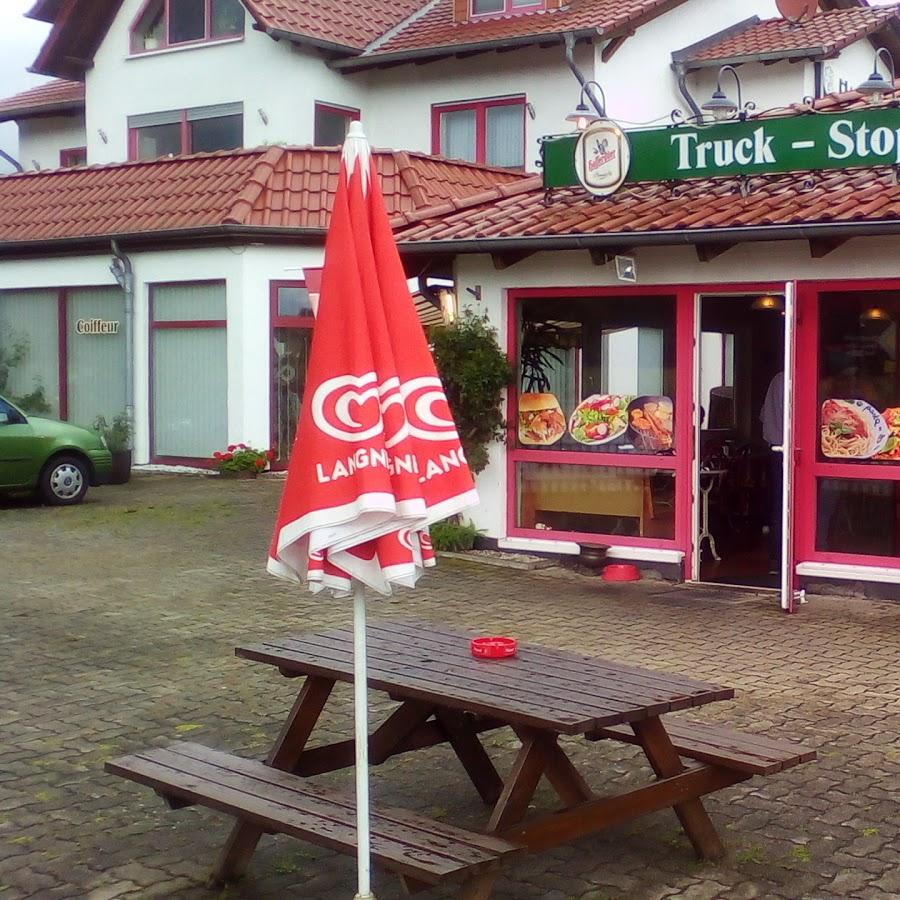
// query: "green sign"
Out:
[862,138]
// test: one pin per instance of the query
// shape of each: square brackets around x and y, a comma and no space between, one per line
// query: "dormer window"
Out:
[171,23]
[504,7]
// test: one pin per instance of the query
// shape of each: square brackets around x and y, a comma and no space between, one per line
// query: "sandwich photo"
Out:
[541,420]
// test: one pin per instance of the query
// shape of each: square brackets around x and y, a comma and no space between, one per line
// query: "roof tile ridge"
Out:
[410,177]
[402,25]
[499,192]
[256,183]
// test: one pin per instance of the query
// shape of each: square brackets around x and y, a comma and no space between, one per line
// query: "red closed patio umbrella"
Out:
[376,458]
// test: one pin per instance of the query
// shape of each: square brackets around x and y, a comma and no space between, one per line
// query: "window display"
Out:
[597,374]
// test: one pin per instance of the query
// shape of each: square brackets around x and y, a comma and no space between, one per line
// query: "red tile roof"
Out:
[333,21]
[56,96]
[512,212]
[825,34]
[272,187]
[436,28]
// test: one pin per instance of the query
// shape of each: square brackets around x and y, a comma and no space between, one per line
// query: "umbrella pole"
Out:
[360,708]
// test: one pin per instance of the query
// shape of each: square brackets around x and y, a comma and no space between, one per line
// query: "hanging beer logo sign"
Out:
[602,158]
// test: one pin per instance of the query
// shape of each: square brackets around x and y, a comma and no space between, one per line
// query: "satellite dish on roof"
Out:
[797,11]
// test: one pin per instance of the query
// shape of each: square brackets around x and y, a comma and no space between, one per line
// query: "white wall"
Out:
[40,140]
[639,83]
[262,73]
[398,111]
[247,272]
[775,261]
[769,87]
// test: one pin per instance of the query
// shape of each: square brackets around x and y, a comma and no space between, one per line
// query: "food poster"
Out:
[603,422]
[855,429]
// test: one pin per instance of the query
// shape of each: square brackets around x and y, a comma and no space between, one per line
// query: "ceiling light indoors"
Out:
[768,302]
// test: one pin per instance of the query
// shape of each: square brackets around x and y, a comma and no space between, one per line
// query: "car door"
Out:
[19,457]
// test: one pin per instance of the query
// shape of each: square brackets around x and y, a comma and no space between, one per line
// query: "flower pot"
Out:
[121,467]
[593,556]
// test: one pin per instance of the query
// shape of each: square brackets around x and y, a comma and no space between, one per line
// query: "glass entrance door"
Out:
[292,323]
[740,406]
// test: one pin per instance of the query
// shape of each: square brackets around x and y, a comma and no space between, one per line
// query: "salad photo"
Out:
[891,450]
[600,418]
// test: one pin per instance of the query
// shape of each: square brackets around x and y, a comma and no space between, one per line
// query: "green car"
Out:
[56,459]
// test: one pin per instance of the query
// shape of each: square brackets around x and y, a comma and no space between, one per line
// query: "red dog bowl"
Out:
[621,572]
[493,647]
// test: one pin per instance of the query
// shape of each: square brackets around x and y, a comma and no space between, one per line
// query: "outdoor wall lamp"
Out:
[583,115]
[721,105]
[875,86]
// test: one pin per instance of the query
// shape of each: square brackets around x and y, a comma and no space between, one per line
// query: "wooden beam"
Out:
[609,51]
[708,252]
[508,260]
[821,247]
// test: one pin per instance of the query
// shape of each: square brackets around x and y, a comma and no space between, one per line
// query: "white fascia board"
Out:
[844,572]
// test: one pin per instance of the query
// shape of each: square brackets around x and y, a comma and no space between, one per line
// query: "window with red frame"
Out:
[499,7]
[199,130]
[490,132]
[73,156]
[170,23]
[332,123]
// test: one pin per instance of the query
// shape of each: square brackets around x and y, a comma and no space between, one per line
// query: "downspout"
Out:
[123,272]
[681,75]
[13,162]
[569,38]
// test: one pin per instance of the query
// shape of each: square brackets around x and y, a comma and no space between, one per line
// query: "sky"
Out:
[20,40]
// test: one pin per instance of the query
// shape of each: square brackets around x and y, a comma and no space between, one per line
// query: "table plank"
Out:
[554,690]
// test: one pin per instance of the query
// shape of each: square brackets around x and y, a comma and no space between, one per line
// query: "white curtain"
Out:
[96,361]
[458,134]
[190,373]
[505,138]
[29,336]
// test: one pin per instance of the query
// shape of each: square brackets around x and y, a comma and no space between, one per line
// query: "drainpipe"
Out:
[13,162]
[681,75]
[123,272]
[569,38]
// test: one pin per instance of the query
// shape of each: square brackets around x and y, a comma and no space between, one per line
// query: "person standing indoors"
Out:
[772,418]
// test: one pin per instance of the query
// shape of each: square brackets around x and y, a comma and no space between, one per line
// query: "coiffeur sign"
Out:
[858,139]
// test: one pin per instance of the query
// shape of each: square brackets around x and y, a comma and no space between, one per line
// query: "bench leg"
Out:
[664,759]
[235,856]
[479,887]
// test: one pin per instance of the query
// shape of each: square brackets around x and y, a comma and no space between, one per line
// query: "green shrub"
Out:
[474,372]
[453,536]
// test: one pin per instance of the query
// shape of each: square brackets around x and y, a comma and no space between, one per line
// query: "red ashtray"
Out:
[493,647]
[621,572]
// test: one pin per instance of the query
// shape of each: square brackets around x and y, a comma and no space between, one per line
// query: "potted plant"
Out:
[117,434]
[241,461]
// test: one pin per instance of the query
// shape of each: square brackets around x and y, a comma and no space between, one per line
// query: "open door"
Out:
[791,596]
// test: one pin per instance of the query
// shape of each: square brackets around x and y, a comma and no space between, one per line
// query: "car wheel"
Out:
[64,481]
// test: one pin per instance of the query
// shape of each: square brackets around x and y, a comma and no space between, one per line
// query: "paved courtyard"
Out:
[117,623]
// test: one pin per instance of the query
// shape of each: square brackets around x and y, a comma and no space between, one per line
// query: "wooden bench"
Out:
[421,851]
[716,745]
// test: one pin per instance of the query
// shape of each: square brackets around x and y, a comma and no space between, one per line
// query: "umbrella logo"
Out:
[354,409]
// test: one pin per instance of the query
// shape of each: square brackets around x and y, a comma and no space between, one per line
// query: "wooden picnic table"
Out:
[448,697]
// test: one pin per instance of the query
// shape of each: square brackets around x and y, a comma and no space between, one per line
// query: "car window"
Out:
[8,415]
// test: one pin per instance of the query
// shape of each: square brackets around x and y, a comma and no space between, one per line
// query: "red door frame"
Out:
[278,321]
[682,463]
[808,468]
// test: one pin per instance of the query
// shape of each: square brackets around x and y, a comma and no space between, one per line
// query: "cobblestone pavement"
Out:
[118,623]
